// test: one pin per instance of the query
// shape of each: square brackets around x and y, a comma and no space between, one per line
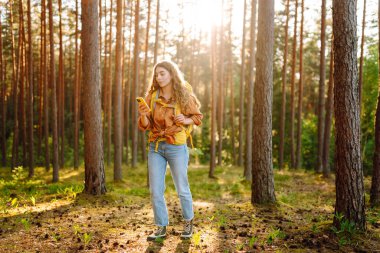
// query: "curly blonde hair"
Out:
[181,93]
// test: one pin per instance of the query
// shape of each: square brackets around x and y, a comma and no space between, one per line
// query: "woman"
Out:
[172,108]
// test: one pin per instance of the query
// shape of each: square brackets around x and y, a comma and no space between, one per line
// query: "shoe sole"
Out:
[154,238]
[186,236]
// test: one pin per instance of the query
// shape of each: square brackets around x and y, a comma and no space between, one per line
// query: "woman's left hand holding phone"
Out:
[143,110]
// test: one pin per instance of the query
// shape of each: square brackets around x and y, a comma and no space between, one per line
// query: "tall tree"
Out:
[241,101]
[262,164]
[231,84]
[157,30]
[54,95]
[41,79]
[328,118]
[30,95]
[109,88]
[213,104]
[321,89]
[292,88]
[362,54]
[283,92]
[61,88]
[3,93]
[128,84]
[105,84]
[15,82]
[251,83]
[93,143]
[300,93]
[45,92]
[135,87]
[123,82]
[349,175]
[118,147]
[22,75]
[221,86]
[375,186]
[76,91]
[146,73]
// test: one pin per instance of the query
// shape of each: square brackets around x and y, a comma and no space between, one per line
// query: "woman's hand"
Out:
[180,119]
[143,110]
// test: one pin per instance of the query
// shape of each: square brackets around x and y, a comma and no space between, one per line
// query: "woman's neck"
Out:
[167,91]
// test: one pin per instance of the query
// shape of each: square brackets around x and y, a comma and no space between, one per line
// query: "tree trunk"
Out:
[375,186]
[213,104]
[362,55]
[129,86]
[349,175]
[221,88]
[76,91]
[231,85]
[104,84]
[292,92]
[22,74]
[262,165]
[61,86]
[109,89]
[123,82]
[363,142]
[300,94]
[283,93]
[135,87]
[30,95]
[143,146]
[93,146]
[45,95]
[157,30]
[3,93]
[241,100]
[328,119]
[53,97]
[321,90]
[100,36]
[42,79]
[15,90]
[252,63]
[118,147]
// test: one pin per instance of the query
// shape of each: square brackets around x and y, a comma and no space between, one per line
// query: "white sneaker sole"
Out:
[154,238]
[186,236]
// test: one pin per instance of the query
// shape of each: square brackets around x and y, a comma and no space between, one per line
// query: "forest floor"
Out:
[40,216]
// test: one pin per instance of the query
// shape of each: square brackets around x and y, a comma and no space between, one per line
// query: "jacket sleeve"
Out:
[193,111]
[150,118]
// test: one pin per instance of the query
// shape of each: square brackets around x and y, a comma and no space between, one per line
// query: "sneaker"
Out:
[187,230]
[160,233]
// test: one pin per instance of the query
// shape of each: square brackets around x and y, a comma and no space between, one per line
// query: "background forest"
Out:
[183,38]
[214,43]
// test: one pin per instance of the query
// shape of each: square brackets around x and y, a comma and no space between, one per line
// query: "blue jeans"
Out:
[178,157]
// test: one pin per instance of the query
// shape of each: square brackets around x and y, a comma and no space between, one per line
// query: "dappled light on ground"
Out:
[58,217]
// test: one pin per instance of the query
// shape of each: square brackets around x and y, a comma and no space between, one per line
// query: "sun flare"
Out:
[204,13]
[199,16]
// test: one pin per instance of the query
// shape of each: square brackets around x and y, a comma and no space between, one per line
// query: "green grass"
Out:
[304,199]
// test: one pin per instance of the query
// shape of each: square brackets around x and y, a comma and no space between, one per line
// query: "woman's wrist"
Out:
[144,120]
[188,121]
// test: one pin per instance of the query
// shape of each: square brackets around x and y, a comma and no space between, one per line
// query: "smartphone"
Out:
[141,100]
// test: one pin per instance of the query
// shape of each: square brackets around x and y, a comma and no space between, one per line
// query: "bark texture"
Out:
[349,175]
[262,164]
[93,143]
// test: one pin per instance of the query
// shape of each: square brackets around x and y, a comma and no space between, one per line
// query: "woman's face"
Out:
[163,77]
